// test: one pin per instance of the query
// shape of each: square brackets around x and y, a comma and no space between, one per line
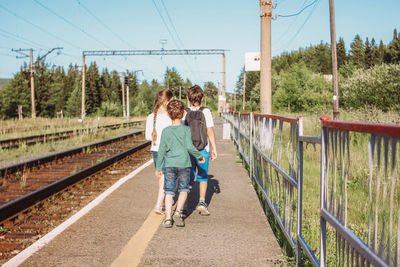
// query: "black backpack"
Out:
[197,122]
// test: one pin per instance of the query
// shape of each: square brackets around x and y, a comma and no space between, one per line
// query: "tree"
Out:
[368,54]
[357,51]
[93,92]
[341,53]
[16,92]
[172,81]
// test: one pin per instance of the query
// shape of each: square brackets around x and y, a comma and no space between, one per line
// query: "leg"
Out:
[202,178]
[169,187]
[161,195]
[183,188]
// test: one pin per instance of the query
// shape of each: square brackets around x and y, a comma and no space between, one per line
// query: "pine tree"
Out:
[341,52]
[93,91]
[368,54]
[16,92]
[357,51]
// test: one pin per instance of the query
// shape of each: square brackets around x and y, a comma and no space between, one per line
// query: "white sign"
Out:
[252,61]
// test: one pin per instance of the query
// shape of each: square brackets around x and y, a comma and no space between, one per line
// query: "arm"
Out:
[149,127]
[190,147]
[211,138]
[161,152]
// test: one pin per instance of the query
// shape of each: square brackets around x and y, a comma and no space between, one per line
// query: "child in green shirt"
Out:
[176,144]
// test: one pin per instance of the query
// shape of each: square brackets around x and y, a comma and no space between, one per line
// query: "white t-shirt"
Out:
[162,121]
[209,122]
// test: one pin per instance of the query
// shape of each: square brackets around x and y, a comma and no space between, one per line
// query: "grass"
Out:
[27,126]
[24,153]
[357,186]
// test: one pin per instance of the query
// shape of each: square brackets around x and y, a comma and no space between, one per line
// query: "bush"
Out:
[376,87]
[299,89]
[109,109]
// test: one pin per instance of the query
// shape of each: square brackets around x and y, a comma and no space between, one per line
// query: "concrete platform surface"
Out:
[123,226]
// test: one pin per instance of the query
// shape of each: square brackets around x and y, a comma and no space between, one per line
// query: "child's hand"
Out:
[159,174]
[202,160]
[214,154]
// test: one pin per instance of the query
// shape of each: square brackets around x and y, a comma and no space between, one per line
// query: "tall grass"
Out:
[27,126]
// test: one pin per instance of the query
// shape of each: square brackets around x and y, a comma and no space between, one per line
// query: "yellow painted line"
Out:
[133,251]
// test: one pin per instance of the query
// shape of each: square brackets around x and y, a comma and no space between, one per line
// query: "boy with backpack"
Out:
[201,124]
[176,144]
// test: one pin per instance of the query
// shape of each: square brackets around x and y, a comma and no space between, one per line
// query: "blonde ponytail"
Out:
[160,98]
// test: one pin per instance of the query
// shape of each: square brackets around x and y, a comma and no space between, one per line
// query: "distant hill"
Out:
[3,82]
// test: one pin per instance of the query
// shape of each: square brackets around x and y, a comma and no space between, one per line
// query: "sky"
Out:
[85,25]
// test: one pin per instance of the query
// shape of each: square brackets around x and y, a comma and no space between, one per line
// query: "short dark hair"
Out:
[175,109]
[195,94]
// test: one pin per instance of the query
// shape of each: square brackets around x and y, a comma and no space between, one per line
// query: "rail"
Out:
[273,148]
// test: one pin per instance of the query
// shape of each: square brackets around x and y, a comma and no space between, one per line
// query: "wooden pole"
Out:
[244,91]
[265,57]
[33,110]
[123,95]
[83,113]
[335,84]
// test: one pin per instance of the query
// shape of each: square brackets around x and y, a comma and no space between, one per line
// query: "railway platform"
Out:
[122,230]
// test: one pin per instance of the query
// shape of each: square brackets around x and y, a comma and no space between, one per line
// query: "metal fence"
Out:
[359,196]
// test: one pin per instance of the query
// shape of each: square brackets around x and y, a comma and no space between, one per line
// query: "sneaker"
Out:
[202,209]
[184,213]
[178,219]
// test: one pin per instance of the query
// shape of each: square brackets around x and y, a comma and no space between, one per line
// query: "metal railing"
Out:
[273,147]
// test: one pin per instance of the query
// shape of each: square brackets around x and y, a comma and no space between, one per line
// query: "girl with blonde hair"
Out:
[155,124]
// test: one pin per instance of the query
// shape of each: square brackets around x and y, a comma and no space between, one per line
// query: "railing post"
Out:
[323,196]
[299,188]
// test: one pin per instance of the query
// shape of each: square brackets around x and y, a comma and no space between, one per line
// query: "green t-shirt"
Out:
[176,144]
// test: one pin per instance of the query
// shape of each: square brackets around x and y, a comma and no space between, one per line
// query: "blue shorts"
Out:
[202,169]
[155,155]
[172,176]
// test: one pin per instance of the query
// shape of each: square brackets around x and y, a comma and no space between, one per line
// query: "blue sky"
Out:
[206,24]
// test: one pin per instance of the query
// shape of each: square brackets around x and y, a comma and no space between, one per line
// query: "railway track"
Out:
[51,137]
[39,194]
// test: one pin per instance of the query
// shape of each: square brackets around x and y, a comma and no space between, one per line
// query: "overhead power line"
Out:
[298,13]
[172,24]
[304,23]
[70,23]
[38,27]
[102,23]
[16,37]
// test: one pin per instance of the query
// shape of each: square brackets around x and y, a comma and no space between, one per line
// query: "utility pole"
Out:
[334,62]
[244,91]
[180,93]
[83,112]
[123,95]
[127,99]
[265,57]
[223,83]
[32,76]
[33,110]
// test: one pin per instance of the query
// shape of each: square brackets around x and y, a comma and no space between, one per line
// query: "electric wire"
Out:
[176,32]
[102,23]
[298,13]
[38,27]
[304,23]
[289,27]
[17,37]
[170,33]
[70,23]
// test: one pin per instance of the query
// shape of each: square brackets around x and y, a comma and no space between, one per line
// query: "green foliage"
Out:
[16,92]
[377,87]
[173,81]
[109,109]
[142,104]
[301,90]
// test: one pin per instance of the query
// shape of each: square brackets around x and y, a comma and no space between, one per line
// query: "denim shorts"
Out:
[175,175]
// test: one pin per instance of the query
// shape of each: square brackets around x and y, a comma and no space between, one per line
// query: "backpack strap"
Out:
[201,109]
